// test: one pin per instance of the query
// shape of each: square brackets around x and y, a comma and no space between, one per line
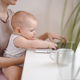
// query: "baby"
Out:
[24,25]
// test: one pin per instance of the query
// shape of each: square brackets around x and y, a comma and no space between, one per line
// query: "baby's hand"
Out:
[52,45]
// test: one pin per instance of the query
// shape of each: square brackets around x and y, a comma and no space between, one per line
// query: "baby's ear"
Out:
[18,30]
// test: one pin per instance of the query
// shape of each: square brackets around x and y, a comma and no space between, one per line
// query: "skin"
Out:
[3,8]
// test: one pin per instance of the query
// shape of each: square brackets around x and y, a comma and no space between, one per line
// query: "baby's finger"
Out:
[55,46]
[63,40]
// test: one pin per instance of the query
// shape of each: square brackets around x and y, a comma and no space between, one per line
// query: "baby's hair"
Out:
[19,18]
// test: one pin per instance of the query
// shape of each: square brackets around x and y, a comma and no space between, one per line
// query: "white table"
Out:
[39,66]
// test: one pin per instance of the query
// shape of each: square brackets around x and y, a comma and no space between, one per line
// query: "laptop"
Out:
[76,68]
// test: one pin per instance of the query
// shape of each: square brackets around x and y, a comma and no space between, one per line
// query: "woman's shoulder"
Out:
[10,12]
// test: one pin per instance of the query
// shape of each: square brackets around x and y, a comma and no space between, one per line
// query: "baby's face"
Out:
[28,31]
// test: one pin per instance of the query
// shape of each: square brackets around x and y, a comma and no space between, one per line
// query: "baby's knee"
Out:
[13,73]
[15,78]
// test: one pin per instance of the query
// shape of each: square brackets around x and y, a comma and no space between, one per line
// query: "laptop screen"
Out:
[77,63]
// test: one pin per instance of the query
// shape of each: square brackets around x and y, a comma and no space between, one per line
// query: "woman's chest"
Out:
[5,32]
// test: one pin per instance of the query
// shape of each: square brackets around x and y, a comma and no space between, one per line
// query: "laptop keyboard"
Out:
[62,45]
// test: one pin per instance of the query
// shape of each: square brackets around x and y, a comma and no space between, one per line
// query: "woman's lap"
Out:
[2,77]
[13,72]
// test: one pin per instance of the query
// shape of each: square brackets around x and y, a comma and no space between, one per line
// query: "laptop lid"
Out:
[76,67]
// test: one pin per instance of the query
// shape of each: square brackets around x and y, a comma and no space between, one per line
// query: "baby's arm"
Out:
[22,42]
[35,38]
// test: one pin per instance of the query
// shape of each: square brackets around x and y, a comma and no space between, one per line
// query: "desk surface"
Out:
[39,66]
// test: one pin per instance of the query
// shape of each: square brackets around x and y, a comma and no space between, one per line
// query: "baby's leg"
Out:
[13,73]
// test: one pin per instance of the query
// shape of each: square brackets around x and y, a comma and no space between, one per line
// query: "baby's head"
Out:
[24,24]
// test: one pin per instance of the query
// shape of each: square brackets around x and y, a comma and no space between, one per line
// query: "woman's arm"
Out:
[43,36]
[5,62]
[52,36]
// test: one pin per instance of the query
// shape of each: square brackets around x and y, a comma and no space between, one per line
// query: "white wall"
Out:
[48,16]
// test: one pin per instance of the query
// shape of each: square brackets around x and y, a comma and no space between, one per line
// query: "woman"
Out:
[5,32]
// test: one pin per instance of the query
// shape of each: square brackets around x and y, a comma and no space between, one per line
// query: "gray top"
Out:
[12,50]
[5,31]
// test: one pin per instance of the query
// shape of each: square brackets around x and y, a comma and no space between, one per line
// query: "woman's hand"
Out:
[53,36]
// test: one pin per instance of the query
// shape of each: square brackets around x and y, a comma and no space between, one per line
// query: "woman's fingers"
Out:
[63,39]
[51,39]
[59,38]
